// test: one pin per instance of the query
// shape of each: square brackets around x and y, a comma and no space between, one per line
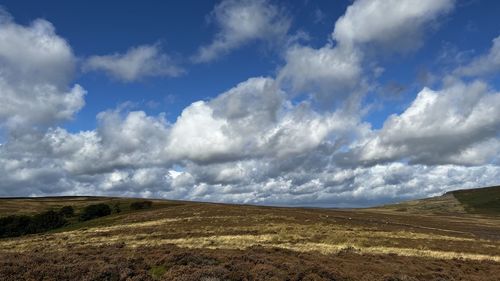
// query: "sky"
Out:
[293,103]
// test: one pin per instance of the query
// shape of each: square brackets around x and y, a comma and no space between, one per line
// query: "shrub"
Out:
[46,221]
[67,211]
[12,226]
[141,205]
[17,225]
[95,211]
[116,208]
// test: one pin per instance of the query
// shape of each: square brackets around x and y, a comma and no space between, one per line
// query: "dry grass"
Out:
[446,204]
[282,228]
[459,239]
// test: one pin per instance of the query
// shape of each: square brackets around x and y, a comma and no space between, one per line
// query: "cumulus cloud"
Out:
[137,63]
[333,74]
[288,155]
[393,24]
[458,124]
[241,22]
[254,143]
[331,186]
[486,64]
[124,155]
[219,143]
[30,94]
[330,74]
[251,120]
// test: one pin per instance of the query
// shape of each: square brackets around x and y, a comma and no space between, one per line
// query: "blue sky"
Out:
[324,103]
[180,28]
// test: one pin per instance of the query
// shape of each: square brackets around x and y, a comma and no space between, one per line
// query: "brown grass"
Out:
[458,243]
[169,262]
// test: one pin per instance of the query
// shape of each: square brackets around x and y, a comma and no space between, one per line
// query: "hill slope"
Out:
[480,201]
[202,241]
[485,201]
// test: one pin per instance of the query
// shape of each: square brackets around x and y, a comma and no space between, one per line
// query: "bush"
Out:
[67,211]
[95,211]
[116,208]
[141,205]
[12,226]
[46,221]
[17,225]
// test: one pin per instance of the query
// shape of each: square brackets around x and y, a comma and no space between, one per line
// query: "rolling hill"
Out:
[484,201]
[452,237]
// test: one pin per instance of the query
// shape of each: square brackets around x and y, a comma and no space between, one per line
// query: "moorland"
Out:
[455,236]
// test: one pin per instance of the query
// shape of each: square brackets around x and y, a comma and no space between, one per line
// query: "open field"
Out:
[203,241]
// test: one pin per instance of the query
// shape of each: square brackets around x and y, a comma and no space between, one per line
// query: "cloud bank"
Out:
[295,139]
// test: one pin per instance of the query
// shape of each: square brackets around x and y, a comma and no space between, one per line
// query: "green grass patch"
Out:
[157,271]
[480,201]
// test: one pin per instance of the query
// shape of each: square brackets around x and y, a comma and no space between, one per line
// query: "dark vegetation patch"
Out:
[35,205]
[95,211]
[17,225]
[115,262]
[481,200]
[139,205]
[67,211]
[49,220]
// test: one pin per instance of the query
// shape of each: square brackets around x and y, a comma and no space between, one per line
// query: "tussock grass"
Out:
[319,237]
[212,226]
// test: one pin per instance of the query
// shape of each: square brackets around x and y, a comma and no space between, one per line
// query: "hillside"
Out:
[485,201]
[33,205]
[177,240]
[480,201]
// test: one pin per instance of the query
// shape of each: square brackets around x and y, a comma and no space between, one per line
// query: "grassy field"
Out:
[483,201]
[434,239]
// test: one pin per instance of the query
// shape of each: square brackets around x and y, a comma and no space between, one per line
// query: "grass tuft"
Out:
[157,272]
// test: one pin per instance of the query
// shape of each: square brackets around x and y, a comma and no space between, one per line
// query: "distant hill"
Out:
[34,205]
[480,200]
[484,200]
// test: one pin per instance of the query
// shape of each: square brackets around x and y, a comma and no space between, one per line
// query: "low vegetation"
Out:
[196,241]
[170,262]
[95,211]
[140,205]
[17,225]
[67,211]
[480,201]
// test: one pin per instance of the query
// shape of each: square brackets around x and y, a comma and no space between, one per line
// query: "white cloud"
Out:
[241,22]
[334,74]
[250,120]
[254,143]
[198,136]
[137,63]
[330,186]
[457,124]
[30,94]
[331,74]
[488,63]
[390,24]
[282,154]
[229,126]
